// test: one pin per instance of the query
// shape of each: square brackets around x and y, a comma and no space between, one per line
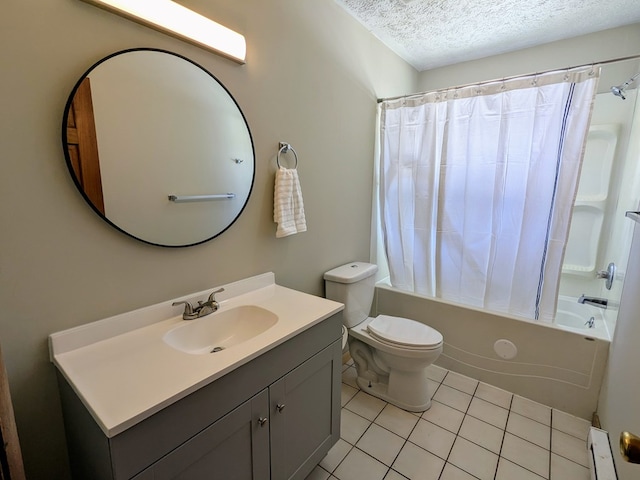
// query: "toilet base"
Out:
[399,380]
[380,390]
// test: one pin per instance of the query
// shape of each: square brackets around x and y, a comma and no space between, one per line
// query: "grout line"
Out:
[504,435]
[459,429]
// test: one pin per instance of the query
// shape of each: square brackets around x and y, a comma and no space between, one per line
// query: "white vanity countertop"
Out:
[124,372]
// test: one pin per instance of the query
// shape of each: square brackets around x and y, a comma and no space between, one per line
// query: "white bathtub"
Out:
[575,317]
[556,364]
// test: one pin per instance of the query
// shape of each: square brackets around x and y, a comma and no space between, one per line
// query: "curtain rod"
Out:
[605,62]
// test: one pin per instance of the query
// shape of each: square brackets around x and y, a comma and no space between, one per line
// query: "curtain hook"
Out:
[591,73]
[503,87]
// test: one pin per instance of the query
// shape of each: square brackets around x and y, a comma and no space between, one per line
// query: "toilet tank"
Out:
[352,284]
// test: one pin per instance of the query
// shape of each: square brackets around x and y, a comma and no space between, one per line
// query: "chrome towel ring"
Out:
[284,148]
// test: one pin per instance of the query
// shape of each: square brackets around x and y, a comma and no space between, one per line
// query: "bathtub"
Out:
[557,364]
[575,317]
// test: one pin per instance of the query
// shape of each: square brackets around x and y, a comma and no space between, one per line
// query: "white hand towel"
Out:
[288,208]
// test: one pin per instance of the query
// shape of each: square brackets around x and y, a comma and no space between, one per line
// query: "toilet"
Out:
[391,353]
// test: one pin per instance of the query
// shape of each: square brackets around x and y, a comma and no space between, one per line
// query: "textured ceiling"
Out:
[433,33]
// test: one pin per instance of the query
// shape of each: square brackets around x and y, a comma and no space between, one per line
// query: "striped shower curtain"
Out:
[476,189]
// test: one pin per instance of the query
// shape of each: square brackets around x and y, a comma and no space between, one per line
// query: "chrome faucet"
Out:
[595,301]
[202,309]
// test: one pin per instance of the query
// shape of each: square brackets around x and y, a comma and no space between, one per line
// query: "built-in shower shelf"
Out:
[578,269]
[600,198]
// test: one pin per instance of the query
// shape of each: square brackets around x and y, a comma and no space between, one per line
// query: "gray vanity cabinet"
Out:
[235,447]
[303,420]
[272,418]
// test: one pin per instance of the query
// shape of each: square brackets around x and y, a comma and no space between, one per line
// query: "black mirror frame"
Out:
[77,182]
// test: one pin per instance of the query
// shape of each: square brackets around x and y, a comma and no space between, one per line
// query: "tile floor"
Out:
[472,431]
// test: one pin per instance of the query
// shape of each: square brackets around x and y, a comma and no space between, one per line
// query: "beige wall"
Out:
[311,79]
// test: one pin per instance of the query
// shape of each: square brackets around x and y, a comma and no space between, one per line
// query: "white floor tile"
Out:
[494,395]
[318,473]
[569,447]
[352,426]
[366,405]
[436,373]
[397,420]
[335,455]
[451,472]
[576,426]
[393,475]
[433,438]
[473,459]
[453,398]
[349,377]
[563,469]
[347,393]
[534,410]
[444,416]
[482,433]
[460,382]
[510,471]
[530,430]
[381,444]
[416,463]
[358,465]
[488,412]
[526,454]
[469,424]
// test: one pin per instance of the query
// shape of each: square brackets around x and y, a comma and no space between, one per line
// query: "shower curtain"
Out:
[477,185]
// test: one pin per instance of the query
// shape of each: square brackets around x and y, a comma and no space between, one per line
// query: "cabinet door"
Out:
[305,414]
[236,447]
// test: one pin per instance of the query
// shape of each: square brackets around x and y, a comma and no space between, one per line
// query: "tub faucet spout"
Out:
[595,301]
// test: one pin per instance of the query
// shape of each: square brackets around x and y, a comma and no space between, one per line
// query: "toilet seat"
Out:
[404,333]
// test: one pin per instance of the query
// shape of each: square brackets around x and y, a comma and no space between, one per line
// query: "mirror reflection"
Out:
[144,129]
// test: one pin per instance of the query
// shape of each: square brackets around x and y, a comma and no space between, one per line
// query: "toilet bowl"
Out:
[393,368]
[391,353]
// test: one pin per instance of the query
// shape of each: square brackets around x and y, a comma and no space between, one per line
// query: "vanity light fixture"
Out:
[169,17]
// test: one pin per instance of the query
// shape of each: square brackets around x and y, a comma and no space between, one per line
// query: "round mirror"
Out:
[158,147]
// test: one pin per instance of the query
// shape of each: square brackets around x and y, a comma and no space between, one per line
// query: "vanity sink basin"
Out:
[220,330]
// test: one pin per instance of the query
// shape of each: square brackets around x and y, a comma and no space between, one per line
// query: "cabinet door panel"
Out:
[236,447]
[305,414]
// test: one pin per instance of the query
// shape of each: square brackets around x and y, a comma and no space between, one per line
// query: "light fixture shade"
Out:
[180,22]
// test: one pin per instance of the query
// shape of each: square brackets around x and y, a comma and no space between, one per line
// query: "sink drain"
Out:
[217,349]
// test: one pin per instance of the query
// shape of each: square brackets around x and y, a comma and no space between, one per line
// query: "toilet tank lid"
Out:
[351,272]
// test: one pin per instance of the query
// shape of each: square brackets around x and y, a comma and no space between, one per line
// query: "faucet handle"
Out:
[212,297]
[189,313]
[188,309]
[608,274]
